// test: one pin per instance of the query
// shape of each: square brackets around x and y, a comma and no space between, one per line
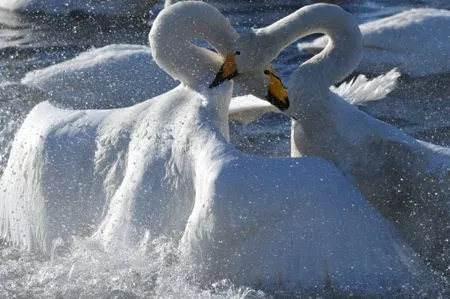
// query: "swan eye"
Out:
[277,94]
[227,71]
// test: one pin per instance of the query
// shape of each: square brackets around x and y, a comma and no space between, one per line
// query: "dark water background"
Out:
[30,42]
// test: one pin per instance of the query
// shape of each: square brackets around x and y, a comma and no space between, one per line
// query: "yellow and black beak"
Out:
[227,71]
[277,94]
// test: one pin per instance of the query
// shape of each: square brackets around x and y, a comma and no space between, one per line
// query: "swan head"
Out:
[178,38]
[174,40]
[248,66]
[247,81]
[277,94]
[251,63]
[259,47]
[227,71]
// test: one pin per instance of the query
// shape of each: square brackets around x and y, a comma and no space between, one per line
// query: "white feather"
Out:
[360,90]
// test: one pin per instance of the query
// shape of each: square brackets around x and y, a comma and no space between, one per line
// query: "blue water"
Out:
[30,42]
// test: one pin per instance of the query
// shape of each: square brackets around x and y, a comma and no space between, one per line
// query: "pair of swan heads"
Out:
[276,92]
[174,40]
[177,28]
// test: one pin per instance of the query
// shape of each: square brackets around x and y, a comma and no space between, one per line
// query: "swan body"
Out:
[407,180]
[165,166]
[416,41]
[116,8]
[292,226]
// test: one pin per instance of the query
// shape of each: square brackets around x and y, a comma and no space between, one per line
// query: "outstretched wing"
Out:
[49,178]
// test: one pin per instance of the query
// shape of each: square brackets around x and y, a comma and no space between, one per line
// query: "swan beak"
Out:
[227,71]
[277,94]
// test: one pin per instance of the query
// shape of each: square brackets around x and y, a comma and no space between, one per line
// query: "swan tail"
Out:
[361,90]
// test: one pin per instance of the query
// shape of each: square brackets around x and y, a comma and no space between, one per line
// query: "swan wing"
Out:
[361,90]
[51,160]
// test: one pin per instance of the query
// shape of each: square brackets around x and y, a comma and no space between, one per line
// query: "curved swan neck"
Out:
[341,55]
[174,33]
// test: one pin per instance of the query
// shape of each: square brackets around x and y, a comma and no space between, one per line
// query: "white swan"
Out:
[165,165]
[295,226]
[416,41]
[406,179]
[43,179]
[115,8]
[50,145]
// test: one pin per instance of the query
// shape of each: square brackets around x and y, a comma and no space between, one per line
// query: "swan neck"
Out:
[217,105]
[222,123]
[174,34]
[343,52]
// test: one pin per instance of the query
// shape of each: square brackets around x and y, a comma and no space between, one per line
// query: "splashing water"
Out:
[86,271]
